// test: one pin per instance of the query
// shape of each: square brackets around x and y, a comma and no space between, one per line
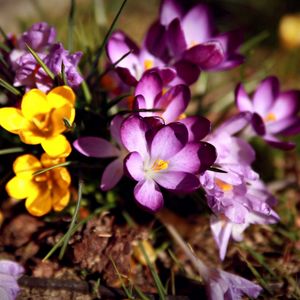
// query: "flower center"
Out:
[159,165]
[225,187]
[270,117]
[148,64]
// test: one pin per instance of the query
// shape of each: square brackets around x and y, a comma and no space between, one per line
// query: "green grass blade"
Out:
[75,228]
[126,290]
[71,22]
[160,288]
[9,87]
[108,33]
[141,294]
[11,150]
[40,62]
[253,42]
[41,171]
[74,219]
[86,92]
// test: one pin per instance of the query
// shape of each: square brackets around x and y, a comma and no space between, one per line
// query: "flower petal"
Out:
[12,120]
[39,203]
[242,100]
[176,40]
[186,160]
[187,72]
[60,95]
[18,188]
[60,198]
[134,165]
[174,102]
[112,174]
[197,25]
[258,124]
[169,10]
[149,86]
[133,131]
[198,127]
[177,181]
[95,147]
[206,56]
[57,146]
[148,195]
[265,95]
[34,103]
[25,165]
[168,141]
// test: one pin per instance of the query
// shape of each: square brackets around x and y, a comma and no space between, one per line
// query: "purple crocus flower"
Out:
[30,74]
[273,112]
[9,273]
[237,197]
[221,285]
[132,67]
[39,37]
[149,95]
[161,157]
[193,41]
[101,148]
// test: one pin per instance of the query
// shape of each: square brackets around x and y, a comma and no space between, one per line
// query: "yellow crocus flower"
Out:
[41,119]
[42,192]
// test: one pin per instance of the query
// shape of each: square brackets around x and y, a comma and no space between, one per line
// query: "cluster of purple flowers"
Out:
[41,38]
[161,148]
[157,145]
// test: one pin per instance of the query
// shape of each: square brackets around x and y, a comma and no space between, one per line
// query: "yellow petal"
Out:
[19,188]
[34,103]
[48,161]
[31,136]
[25,165]
[60,199]
[39,204]
[57,118]
[61,177]
[57,146]
[12,120]
[61,95]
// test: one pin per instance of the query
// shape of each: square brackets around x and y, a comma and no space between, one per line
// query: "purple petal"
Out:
[187,72]
[229,63]
[133,131]
[112,174]
[235,124]
[169,10]
[197,126]
[221,230]
[148,195]
[258,124]
[134,165]
[176,40]
[286,104]
[207,154]
[178,181]
[265,95]
[11,268]
[197,25]
[206,56]
[186,160]
[115,126]
[242,100]
[166,74]
[95,147]
[230,41]
[118,45]
[274,142]
[126,76]
[174,102]
[238,285]
[292,129]
[156,41]
[281,125]
[149,86]
[168,141]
